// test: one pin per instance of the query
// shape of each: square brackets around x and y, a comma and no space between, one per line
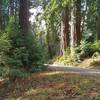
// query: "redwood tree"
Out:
[65,30]
[78,21]
[24,16]
[75,22]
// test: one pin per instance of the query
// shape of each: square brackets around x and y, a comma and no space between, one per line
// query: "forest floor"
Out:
[52,85]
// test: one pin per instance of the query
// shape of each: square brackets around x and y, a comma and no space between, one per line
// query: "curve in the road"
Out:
[81,71]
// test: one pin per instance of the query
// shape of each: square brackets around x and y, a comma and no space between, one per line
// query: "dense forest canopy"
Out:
[34,31]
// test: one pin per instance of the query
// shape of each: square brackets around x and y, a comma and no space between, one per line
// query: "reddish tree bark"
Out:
[24,16]
[78,21]
[65,30]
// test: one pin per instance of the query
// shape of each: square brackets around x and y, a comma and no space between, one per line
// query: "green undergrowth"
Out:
[89,52]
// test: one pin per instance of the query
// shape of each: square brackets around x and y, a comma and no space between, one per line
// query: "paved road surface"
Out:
[82,71]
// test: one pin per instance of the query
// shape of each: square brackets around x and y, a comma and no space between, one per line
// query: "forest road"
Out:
[71,69]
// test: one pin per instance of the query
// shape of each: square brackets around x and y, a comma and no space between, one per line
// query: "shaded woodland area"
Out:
[38,32]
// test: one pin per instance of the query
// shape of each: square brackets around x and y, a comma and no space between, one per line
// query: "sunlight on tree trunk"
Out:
[64,42]
[73,29]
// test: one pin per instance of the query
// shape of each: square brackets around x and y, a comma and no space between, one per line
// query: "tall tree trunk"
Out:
[78,21]
[65,30]
[73,28]
[83,17]
[75,24]
[49,43]
[24,16]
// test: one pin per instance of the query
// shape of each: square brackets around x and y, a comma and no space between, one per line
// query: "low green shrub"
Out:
[87,49]
[19,53]
[96,46]
[84,49]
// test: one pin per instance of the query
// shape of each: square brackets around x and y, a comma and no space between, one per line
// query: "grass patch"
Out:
[52,85]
